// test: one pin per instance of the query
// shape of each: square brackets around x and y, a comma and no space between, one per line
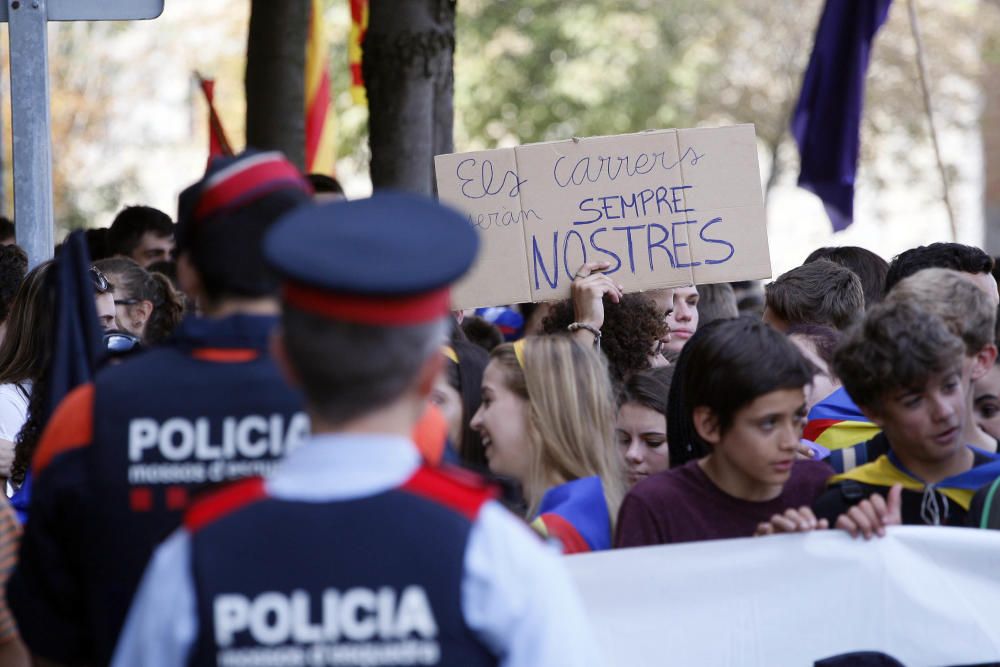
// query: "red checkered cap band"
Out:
[386,311]
[247,180]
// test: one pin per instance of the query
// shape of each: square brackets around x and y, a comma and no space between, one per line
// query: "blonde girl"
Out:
[547,420]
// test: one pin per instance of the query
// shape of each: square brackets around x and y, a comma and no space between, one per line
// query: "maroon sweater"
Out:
[683,505]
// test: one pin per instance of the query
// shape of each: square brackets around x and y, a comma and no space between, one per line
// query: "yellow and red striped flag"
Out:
[218,144]
[320,120]
[359,25]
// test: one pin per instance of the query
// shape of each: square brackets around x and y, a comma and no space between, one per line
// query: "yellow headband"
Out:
[449,352]
[519,352]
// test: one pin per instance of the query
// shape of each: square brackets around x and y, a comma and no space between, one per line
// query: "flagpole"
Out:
[922,67]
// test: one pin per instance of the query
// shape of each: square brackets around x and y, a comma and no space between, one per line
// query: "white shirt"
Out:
[13,414]
[13,409]
[516,595]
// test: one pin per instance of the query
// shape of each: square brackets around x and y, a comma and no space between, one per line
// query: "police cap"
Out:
[222,218]
[386,261]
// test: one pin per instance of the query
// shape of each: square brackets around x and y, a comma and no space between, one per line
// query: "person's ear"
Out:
[141,311]
[279,354]
[983,361]
[706,424]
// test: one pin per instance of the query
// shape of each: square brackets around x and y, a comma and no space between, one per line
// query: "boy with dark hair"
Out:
[824,293]
[352,525]
[820,292]
[964,258]
[744,402]
[903,368]
[97,243]
[968,313]
[869,268]
[122,456]
[143,234]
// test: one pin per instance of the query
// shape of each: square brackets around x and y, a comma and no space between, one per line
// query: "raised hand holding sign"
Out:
[661,209]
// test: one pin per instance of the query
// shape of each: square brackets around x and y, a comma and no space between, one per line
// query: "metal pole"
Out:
[31,125]
[925,89]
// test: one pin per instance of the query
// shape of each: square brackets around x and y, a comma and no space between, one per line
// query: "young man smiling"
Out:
[904,369]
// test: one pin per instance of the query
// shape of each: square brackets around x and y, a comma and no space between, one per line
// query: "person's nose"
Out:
[682,312]
[941,409]
[634,452]
[477,419]
[790,436]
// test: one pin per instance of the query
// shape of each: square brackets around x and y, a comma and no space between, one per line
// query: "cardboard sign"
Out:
[664,208]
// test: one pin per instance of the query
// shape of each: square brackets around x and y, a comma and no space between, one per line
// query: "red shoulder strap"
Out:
[224,501]
[462,491]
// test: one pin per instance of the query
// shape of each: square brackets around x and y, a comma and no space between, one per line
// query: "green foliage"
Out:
[538,70]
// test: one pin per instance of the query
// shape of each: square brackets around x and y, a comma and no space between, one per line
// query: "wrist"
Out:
[588,328]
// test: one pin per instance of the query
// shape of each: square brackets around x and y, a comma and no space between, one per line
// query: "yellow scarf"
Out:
[882,472]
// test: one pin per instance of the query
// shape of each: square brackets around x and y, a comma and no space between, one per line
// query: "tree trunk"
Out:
[989,123]
[275,78]
[409,77]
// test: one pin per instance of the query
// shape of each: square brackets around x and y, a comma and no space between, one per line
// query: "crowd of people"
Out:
[315,461]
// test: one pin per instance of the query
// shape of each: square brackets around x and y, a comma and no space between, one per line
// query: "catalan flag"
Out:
[320,122]
[576,514]
[359,25]
[836,422]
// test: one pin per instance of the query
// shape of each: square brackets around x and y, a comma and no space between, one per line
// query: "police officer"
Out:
[352,552]
[122,457]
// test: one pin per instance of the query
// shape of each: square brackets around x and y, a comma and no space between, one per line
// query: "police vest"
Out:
[368,581]
[167,426]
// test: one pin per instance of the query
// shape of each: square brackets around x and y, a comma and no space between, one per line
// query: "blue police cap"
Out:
[233,184]
[387,260]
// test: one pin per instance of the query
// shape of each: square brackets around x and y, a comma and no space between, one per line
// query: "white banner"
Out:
[926,596]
